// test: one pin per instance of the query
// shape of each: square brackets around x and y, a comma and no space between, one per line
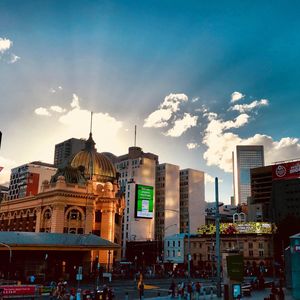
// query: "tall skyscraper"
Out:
[192,200]
[137,175]
[26,180]
[167,208]
[65,150]
[244,159]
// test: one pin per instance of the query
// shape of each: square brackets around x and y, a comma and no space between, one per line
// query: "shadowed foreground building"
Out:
[82,198]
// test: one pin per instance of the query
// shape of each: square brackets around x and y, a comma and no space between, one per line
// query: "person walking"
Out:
[141,288]
[280,294]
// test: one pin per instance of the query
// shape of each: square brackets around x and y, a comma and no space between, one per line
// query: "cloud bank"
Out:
[169,114]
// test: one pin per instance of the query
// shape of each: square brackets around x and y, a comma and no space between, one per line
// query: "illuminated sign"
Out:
[297,248]
[144,201]
[239,228]
[286,170]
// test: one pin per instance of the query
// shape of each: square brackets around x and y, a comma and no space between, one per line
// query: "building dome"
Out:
[95,164]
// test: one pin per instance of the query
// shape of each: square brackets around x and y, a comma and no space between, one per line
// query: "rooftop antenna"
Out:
[134,135]
[91,126]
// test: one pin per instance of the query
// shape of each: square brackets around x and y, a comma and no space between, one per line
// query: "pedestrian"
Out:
[172,288]
[104,292]
[190,290]
[141,288]
[280,294]
[110,293]
[198,289]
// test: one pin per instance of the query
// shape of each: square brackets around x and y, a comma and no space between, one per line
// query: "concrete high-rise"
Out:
[65,151]
[192,200]
[245,158]
[167,208]
[136,169]
[26,180]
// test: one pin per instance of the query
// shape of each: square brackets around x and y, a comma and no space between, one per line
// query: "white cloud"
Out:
[248,107]
[221,143]
[14,58]
[60,87]
[191,146]
[236,96]
[165,111]
[173,101]
[158,118]
[182,125]
[57,108]
[75,102]
[195,99]
[5,44]
[7,165]
[210,179]
[41,111]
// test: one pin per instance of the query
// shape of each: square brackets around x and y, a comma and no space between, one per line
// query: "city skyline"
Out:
[197,79]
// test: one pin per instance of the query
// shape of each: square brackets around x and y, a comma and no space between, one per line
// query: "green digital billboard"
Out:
[144,201]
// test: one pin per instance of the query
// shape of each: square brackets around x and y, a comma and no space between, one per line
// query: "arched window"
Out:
[74,214]
[74,220]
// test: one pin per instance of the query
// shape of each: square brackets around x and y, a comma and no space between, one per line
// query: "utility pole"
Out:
[218,252]
[189,250]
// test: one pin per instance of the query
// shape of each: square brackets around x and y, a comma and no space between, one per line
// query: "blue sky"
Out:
[176,61]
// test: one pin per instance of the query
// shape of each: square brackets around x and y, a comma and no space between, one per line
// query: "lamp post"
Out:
[10,256]
[218,252]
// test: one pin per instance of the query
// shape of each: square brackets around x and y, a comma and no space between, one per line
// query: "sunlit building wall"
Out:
[136,167]
[167,208]
[192,200]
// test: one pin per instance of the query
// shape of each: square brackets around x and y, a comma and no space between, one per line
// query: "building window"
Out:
[178,243]
[250,245]
[250,253]
[260,245]
[173,253]
[168,244]
[98,216]
[261,253]
[173,245]
[178,253]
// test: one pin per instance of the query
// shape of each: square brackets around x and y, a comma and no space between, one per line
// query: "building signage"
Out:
[239,228]
[144,201]
[286,170]
[18,290]
[297,248]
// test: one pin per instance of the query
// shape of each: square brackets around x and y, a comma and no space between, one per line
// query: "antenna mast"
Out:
[91,126]
[134,135]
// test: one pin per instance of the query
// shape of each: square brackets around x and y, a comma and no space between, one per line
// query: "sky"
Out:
[196,77]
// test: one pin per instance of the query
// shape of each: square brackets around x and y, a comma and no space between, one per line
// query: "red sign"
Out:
[10,290]
[286,170]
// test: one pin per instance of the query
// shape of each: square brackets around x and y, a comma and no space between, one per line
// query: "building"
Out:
[192,200]
[3,192]
[137,172]
[292,269]
[27,179]
[253,240]
[244,159]
[261,194]
[226,213]
[82,198]
[275,197]
[65,151]
[167,207]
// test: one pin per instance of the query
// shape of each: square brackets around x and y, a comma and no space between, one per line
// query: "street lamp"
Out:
[10,256]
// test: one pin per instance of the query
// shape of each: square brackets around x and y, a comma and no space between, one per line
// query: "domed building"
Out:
[82,198]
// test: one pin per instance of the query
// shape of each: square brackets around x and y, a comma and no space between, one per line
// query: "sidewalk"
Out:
[256,295]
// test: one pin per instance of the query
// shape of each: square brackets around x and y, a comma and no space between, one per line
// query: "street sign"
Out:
[78,277]
[235,267]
